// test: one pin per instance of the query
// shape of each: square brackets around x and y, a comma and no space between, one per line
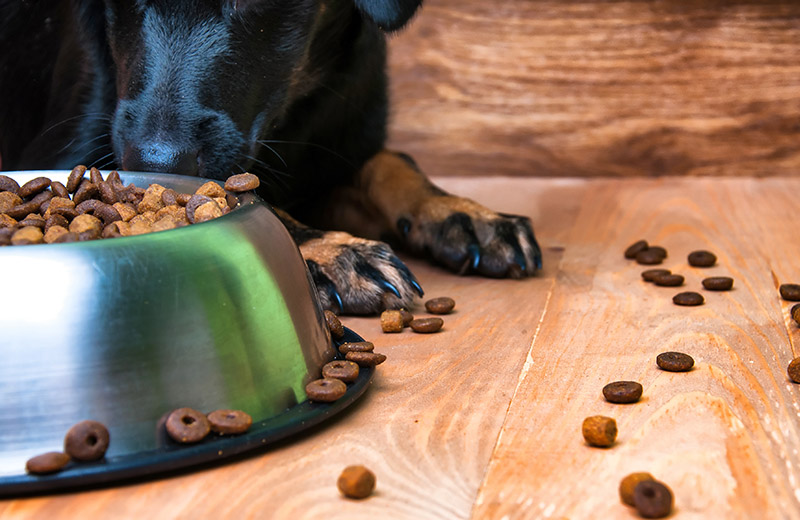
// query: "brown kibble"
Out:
[674,361]
[87,440]
[702,258]
[126,210]
[53,233]
[66,238]
[356,346]
[718,283]
[426,325]
[8,184]
[187,426]
[87,190]
[365,359]
[790,292]
[33,219]
[111,231]
[56,220]
[441,305]
[628,485]
[649,257]
[27,236]
[794,312]
[334,325]
[229,422]
[392,321]
[599,431]
[343,370]
[8,200]
[356,482]
[75,178]
[658,250]
[325,390]
[46,463]
[650,274]
[210,189]
[141,226]
[668,280]
[61,206]
[652,499]
[688,299]
[205,212]
[164,223]
[95,176]
[59,190]
[107,192]
[7,222]
[407,317]
[195,202]
[33,186]
[242,182]
[623,392]
[635,248]
[169,197]
[151,201]
[794,370]
[83,223]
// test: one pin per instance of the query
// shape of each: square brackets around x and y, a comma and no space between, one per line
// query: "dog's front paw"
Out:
[466,237]
[358,276]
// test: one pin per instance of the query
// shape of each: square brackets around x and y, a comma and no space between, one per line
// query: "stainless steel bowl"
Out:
[221,314]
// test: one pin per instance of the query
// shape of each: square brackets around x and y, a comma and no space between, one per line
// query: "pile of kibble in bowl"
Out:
[45,211]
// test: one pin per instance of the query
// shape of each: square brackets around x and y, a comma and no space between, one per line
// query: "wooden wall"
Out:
[620,88]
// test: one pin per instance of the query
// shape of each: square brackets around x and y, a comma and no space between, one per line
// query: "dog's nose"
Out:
[160,158]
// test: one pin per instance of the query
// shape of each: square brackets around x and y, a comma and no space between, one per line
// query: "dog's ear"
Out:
[389,15]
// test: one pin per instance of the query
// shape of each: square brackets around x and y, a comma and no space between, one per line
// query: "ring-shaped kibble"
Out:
[229,422]
[652,499]
[334,325]
[674,361]
[365,359]
[628,485]
[325,390]
[343,370]
[187,426]
[718,283]
[356,346]
[87,440]
[623,392]
[702,258]
[33,186]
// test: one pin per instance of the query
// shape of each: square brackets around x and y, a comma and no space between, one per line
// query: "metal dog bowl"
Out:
[216,315]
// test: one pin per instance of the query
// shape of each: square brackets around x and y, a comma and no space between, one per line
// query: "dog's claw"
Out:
[338,299]
[391,288]
[417,287]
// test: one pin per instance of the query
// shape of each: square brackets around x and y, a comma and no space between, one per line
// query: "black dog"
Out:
[294,91]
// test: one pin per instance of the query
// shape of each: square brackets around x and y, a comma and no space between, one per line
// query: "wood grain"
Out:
[587,88]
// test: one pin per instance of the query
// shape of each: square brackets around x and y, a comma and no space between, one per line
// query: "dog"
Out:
[293,91]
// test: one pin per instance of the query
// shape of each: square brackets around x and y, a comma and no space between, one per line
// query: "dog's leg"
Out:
[353,275]
[456,232]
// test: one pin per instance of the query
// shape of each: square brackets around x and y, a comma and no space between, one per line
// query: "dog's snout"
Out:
[160,157]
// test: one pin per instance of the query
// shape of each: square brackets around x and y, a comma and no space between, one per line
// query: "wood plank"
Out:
[724,436]
[427,426]
[588,88]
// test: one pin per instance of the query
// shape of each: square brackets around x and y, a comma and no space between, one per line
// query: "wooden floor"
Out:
[482,420]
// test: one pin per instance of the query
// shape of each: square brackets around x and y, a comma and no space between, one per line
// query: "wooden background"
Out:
[565,88]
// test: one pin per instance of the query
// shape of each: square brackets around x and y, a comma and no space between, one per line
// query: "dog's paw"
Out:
[358,276]
[466,237]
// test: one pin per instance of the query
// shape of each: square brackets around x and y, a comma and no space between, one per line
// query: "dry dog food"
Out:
[325,390]
[702,258]
[441,305]
[718,283]
[658,250]
[628,485]
[334,325]
[242,182]
[365,359]
[652,499]
[407,317]
[356,482]
[651,274]
[688,299]
[794,370]
[229,422]
[426,325]
[343,370]
[87,440]
[795,313]
[649,257]
[187,426]
[599,431]
[623,392]
[668,280]
[636,248]
[790,292]
[392,321]
[41,211]
[674,361]
[356,346]
[45,463]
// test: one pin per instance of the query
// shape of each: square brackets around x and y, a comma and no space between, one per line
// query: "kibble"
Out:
[8,184]
[229,422]
[356,346]
[794,370]
[628,485]
[187,426]
[426,325]
[356,482]
[325,390]
[718,283]
[658,250]
[635,248]
[688,299]
[407,317]
[651,274]
[46,463]
[334,325]
[623,392]
[365,359]
[392,321]
[668,280]
[674,361]
[652,499]
[649,257]
[343,370]
[790,292]
[87,440]
[702,259]
[599,431]
[794,312]
[242,182]
[441,305]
